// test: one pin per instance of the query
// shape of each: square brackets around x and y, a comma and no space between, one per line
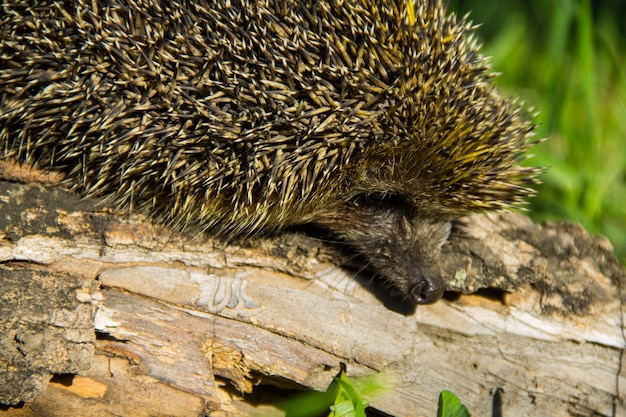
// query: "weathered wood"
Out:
[183,324]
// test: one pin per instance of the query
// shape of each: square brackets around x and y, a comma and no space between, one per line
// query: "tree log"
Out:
[108,314]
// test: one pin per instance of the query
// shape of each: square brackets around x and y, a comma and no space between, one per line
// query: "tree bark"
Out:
[106,314]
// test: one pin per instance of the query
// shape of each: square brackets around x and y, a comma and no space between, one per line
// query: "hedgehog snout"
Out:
[399,245]
[425,289]
[425,283]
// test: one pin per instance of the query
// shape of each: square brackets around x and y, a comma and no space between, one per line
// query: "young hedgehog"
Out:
[371,118]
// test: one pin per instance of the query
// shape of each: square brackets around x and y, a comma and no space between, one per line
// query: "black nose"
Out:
[426,290]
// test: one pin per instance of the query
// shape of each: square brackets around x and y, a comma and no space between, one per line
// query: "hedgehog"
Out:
[373,119]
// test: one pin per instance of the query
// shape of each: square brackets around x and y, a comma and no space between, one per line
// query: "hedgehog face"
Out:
[398,243]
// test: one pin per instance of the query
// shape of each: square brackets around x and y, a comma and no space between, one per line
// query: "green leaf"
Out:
[450,406]
[342,409]
[343,398]
[347,402]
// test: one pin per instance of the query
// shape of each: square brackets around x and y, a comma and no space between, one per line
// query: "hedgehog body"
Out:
[374,119]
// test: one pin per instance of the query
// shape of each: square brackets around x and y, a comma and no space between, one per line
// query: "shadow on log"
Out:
[108,315]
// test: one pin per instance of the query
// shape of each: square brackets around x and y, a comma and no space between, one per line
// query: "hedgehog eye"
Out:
[384,200]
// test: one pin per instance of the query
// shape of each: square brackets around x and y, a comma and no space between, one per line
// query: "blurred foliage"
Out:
[567,60]
[345,397]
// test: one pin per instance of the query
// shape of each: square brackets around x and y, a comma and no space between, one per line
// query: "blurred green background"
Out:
[567,60]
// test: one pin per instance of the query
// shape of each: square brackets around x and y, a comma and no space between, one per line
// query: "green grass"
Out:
[566,59]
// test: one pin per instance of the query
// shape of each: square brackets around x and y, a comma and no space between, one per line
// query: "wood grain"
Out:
[130,319]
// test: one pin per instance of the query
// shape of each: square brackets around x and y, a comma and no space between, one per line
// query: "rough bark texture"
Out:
[124,318]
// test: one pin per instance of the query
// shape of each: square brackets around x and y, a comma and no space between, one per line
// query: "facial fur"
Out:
[398,242]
